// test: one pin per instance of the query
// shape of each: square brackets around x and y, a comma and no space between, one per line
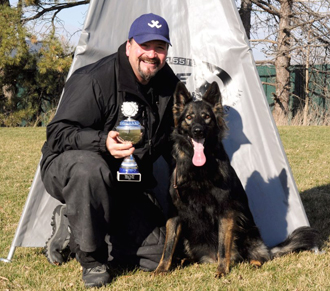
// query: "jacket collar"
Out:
[126,78]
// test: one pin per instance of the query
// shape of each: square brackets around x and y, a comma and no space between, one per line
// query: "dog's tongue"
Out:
[199,158]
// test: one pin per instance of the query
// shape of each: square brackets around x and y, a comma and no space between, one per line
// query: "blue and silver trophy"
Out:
[129,130]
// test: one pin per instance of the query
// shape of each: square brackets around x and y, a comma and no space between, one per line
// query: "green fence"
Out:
[318,85]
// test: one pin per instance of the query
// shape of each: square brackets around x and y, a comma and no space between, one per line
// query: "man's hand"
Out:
[116,148]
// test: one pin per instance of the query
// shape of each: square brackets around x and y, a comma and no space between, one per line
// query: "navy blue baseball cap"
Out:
[149,27]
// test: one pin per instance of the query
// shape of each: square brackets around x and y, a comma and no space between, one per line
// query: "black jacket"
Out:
[90,108]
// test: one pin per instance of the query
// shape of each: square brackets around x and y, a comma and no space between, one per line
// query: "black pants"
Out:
[99,207]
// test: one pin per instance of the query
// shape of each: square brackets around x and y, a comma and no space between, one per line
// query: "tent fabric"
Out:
[208,44]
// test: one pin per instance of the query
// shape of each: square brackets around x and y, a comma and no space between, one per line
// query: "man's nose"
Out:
[151,53]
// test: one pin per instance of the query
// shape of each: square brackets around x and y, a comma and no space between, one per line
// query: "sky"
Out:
[73,21]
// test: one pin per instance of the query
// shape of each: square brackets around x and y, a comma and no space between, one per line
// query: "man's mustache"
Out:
[150,60]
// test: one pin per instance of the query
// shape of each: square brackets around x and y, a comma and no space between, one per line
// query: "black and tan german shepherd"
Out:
[212,215]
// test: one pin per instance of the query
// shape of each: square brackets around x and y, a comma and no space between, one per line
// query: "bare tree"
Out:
[291,32]
[245,13]
[310,48]
[43,8]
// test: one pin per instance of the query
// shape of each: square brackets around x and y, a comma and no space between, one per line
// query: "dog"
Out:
[211,211]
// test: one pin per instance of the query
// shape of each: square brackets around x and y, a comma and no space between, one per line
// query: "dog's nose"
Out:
[198,131]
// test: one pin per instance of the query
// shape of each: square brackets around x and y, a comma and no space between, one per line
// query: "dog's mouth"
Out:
[199,158]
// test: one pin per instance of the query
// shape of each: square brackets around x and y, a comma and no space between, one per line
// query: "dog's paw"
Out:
[221,272]
[158,272]
[256,263]
[185,262]
[162,269]
[220,275]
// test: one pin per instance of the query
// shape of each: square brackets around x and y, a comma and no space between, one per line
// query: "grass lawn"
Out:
[308,152]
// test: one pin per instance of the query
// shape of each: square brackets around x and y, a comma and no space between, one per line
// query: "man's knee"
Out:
[88,165]
[76,170]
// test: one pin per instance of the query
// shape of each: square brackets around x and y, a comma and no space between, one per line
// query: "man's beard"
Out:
[147,75]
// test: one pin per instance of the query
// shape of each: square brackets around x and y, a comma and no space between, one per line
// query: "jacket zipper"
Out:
[150,123]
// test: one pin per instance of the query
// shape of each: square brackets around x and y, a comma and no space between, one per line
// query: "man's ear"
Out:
[128,46]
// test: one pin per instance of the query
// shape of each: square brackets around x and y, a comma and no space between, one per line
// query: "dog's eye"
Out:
[206,116]
[189,117]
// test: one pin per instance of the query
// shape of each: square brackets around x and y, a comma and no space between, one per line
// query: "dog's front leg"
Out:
[225,244]
[173,231]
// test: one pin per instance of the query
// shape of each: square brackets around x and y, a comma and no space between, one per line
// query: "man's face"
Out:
[147,58]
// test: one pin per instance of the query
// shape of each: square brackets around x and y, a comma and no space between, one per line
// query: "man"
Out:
[82,155]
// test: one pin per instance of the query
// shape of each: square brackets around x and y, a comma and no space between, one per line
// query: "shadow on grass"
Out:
[317,204]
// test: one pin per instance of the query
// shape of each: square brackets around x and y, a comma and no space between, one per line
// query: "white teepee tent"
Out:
[209,43]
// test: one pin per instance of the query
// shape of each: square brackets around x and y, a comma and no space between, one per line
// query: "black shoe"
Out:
[57,250]
[96,277]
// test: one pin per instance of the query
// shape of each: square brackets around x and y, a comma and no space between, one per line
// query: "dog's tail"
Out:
[303,238]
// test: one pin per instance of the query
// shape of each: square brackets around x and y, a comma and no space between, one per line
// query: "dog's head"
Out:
[202,122]
[198,118]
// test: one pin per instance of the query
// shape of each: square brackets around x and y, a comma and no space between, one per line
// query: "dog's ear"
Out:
[213,96]
[181,98]
[181,94]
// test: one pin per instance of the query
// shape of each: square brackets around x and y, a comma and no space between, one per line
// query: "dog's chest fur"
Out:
[200,199]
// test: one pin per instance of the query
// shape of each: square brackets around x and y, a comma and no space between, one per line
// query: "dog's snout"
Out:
[197,130]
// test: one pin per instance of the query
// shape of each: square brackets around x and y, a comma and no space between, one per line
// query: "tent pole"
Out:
[10,255]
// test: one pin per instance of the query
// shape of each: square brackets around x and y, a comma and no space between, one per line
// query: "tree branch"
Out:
[263,40]
[271,9]
[56,7]
[264,62]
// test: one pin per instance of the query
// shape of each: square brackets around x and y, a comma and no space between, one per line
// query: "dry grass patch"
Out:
[307,149]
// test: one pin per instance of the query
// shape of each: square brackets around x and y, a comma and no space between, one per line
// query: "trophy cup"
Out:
[129,130]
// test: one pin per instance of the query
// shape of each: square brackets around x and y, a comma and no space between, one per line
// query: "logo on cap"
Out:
[155,24]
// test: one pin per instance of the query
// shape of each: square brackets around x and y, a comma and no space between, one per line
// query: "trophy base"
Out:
[128,177]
